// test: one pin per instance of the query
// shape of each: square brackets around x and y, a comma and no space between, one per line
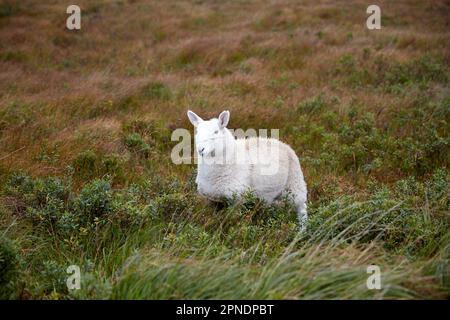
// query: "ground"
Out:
[86,118]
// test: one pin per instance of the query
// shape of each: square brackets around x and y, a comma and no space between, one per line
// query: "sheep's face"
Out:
[210,136]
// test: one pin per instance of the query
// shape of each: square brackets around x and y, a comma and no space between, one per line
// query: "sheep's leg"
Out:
[302,215]
[300,205]
[296,186]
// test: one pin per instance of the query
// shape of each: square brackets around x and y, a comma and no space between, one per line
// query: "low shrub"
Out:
[9,269]
[94,201]
[53,278]
[170,206]
[400,218]
[136,144]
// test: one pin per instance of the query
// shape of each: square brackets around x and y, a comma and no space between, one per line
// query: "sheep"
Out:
[228,166]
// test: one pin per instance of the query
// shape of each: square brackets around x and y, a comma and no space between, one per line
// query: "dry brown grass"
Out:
[223,55]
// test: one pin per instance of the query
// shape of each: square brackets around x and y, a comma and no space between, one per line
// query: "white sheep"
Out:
[228,166]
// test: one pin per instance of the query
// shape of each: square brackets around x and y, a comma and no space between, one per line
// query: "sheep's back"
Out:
[269,161]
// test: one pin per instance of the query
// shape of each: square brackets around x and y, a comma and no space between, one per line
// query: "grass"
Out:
[85,141]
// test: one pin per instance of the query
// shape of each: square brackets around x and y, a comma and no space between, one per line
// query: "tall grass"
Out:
[174,246]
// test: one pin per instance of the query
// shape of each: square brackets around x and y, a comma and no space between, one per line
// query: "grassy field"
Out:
[85,138]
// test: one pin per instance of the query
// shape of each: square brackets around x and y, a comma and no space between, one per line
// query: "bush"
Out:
[67,223]
[136,143]
[94,201]
[51,188]
[112,165]
[399,218]
[53,278]
[9,261]
[19,185]
[37,192]
[44,201]
[47,216]
[93,287]
[171,206]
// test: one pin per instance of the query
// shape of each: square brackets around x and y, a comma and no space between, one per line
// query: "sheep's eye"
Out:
[216,132]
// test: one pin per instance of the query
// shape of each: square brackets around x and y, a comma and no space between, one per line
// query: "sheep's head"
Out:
[211,135]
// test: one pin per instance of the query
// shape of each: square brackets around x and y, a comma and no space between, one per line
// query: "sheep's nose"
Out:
[200,150]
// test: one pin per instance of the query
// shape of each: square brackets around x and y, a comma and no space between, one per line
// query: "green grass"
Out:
[160,241]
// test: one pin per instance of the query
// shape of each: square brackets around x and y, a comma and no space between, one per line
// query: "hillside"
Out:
[86,178]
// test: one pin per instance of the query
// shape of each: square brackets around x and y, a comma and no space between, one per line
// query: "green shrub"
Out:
[67,223]
[129,206]
[399,218]
[51,188]
[44,201]
[53,278]
[169,206]
[113,166]
[94,201]
[159,186]
[93,287]
[9,270]
[48,215]
[136,143]
[19,184]
[38,193]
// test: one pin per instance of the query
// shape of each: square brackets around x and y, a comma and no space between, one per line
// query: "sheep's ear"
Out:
[224,117]
[195,119]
